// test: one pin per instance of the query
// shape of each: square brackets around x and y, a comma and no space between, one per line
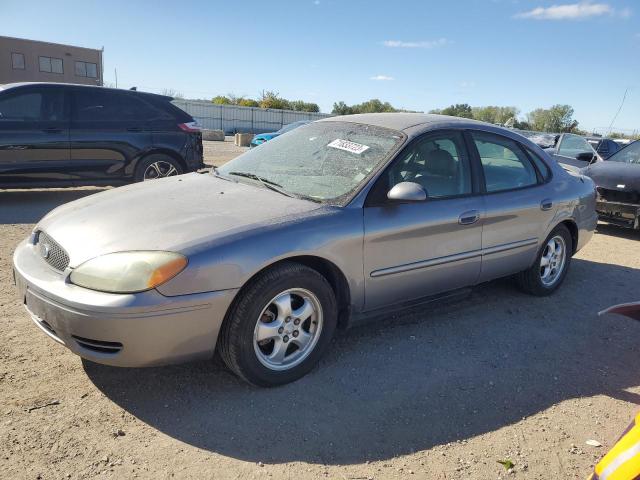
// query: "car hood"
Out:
[175,214]
[609,175]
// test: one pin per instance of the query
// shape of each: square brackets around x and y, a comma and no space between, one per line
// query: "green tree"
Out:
[248,102]
[458,110]
[370,106]
[301,106]
[557,119]
[494,114]
[221,100]
[271,99]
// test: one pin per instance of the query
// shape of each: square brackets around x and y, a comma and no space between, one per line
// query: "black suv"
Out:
[66,135]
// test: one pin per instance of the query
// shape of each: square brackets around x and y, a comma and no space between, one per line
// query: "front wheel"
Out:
[551,265]
[279,326]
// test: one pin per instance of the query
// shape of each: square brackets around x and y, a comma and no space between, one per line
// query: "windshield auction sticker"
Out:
[348,146]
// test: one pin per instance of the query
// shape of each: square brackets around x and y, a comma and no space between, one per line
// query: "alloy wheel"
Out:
[553,260]
[288,329]
[159,169]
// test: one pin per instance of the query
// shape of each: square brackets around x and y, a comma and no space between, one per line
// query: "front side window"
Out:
[17,61]
[573,145]
[50,64]
[323,161]
[438,163]
[34,106]
[504,163]
[629,154]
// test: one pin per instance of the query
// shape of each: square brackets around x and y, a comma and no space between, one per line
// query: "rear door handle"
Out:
[134,129]
[546,204]
[52,130]
[469,218]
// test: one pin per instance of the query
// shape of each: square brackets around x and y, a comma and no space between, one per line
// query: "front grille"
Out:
[618,196]
[52,252]
[99,346]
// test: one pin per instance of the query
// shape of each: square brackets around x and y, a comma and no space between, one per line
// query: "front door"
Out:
[417,249]
[570,147]
[34,135]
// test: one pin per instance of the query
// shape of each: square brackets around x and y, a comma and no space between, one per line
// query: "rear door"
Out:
[414,250]
[34,139]
[519,203]
[108,132]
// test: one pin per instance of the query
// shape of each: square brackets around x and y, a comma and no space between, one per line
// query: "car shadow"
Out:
[616,231]
[29,206]
[408,383]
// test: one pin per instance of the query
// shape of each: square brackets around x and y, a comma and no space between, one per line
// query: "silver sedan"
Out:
[336,222]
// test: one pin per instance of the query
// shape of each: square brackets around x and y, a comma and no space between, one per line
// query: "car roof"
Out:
[8,86]
[403,121]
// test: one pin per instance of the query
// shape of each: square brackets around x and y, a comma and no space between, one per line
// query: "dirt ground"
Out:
[442,393]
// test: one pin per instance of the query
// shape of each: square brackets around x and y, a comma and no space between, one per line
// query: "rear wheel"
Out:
[157,166]
[551,265]
[279,326]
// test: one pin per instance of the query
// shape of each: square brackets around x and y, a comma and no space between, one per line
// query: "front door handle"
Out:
[52,130]
[546,204]
[469,218]
[134,129]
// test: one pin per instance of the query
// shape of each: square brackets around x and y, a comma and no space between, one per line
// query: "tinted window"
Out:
[32,106]
[573,145]
[438,163]
[95,105]
[504,163]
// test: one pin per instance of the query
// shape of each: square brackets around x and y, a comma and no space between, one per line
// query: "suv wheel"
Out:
[279,326]
[157,166]
[551,265]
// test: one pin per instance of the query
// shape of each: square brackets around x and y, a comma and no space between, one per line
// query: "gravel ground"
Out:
[443,393]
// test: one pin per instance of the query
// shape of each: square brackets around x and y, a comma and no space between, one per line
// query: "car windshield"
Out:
[629,154]
[322,161]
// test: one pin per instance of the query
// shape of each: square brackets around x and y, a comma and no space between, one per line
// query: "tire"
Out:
[533,280]
[256,330]
[165,166]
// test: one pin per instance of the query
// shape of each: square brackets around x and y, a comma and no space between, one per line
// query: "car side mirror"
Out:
[586,157]
[407,192]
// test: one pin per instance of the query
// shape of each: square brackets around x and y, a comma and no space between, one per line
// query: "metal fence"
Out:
[233,119]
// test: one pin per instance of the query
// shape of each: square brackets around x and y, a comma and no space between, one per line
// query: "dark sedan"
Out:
[68,135]
[618,185]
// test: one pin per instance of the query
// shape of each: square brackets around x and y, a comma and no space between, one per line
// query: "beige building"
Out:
[33,61]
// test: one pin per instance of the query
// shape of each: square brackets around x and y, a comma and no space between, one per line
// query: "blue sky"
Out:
[417,55]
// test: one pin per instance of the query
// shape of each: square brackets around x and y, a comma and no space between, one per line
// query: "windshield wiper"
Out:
[276,187]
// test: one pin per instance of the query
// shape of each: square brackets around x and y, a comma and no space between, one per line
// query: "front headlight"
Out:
[128,272]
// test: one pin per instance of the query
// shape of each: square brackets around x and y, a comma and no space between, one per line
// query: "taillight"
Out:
[189,127]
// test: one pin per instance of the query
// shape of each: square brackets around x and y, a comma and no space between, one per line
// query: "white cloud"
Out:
[381,78]
[440,42]
[467,84]
[572,11]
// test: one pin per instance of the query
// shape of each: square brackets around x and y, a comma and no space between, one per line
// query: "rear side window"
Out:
[504,163]
[543,168]
[32,106]
[95,105]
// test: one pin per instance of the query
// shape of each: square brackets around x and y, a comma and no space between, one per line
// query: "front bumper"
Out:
[619,213]
[127,330]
